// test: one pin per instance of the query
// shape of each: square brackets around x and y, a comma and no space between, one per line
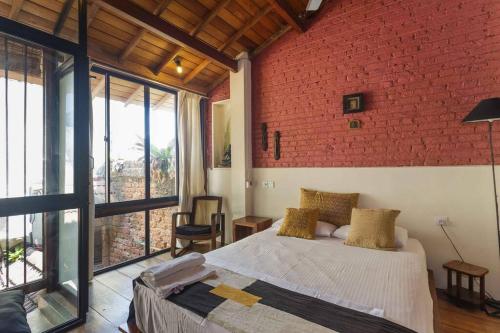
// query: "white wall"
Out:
[219,183]
[464,194]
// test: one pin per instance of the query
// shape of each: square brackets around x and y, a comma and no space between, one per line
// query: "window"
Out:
[163,148]
[135,167]
[127,141]
[27,120]
[43,205]
[57,18]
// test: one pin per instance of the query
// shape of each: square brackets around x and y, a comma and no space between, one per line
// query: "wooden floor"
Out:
[110,295]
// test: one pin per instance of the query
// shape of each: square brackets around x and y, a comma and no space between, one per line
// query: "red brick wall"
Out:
[423,65]
[220,93]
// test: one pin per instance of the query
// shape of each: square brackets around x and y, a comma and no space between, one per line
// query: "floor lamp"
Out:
[488,110]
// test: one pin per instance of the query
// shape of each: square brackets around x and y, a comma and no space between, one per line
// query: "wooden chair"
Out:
[197,232]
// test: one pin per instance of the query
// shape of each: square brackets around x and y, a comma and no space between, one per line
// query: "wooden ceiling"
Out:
[143,37]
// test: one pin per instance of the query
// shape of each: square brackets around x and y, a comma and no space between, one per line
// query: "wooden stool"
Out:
[460,294]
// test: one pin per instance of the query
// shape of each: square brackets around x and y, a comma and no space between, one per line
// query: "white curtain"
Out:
[191,173]
[91,188]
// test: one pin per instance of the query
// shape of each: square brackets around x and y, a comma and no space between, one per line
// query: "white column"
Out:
[241,138]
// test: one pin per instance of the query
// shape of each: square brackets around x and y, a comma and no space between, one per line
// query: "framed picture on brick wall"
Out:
[353,103]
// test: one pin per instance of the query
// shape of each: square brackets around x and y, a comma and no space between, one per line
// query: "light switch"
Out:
[268,184]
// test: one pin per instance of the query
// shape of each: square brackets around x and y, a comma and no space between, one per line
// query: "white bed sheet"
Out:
[395,282]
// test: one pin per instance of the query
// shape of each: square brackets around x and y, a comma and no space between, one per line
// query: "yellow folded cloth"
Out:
[234,294]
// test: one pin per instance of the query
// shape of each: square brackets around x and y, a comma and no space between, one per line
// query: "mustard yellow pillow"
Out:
[373,228]
[334,208]
[299,223]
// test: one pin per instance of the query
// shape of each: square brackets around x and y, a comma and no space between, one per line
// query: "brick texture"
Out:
[220,93]
[422,65]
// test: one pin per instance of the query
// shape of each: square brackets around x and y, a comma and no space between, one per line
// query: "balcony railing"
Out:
[21,250]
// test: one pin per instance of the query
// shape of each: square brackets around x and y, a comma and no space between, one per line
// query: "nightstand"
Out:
[457,292]
[249,225]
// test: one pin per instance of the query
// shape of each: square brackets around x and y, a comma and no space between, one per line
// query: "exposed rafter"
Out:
[131,46]
[91,13]
[237,35]
[218,81]
[160,8]
[101,57]
[137,15]
[282,8]
[270,40]
[162,101]
[134,95]
[191,75]
[63,16]
[199,27]
[15,9]
[209,17]
[168,58]
[99,86]
[248,25]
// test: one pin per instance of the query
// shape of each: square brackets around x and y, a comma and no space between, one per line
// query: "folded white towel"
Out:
[153,274]
[175,283]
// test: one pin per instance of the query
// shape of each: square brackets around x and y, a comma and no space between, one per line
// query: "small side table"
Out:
[249,225]
[457,292]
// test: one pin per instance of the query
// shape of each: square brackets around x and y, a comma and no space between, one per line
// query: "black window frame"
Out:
[141,205]
[78,199]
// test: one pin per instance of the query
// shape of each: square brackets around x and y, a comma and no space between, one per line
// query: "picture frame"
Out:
[353,103]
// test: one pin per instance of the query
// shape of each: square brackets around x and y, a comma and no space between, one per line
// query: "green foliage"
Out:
[15,255]
[162,159]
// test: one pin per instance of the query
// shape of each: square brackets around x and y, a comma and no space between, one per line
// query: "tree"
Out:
[162,159]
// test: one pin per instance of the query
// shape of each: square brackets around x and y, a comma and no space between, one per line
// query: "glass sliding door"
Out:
[135,168]
[44,164]
[37,159]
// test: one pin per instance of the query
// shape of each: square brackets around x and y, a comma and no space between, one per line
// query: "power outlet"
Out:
[268,184]
[441,220]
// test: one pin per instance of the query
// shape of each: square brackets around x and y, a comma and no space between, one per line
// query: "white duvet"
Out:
[394,284]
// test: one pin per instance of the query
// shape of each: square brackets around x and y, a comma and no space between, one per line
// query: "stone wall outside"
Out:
[122,237]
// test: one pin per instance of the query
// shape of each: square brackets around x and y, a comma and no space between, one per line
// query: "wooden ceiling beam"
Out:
[218,81]
[283,9]
[99,86]
[131,46]
[274,37]
[162,101]
[168,58]
[134,94]
[101,57]
[63,16]
[209,17]
[15,9]
[248,25]
[140,17]
[237,35]
[196,71]
[199,27]
[160,8]
[91,13]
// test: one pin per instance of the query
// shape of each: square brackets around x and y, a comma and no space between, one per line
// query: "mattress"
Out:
[392,284]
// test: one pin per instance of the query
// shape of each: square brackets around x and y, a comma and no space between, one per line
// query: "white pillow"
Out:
[400,233]
[323,229]
[401,237]
[342,232]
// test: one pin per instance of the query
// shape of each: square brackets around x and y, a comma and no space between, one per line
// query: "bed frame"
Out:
[126,328]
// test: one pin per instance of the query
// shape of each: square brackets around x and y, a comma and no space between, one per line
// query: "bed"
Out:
[389,284]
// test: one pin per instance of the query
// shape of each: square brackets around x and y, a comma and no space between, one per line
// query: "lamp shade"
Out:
[486,110]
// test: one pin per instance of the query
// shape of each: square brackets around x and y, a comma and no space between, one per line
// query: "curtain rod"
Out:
[114,69]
